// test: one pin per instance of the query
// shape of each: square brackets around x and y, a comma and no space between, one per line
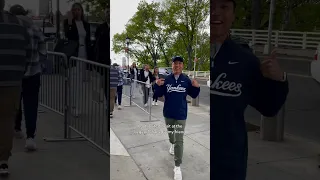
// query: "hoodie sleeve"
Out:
[159,91]
[267,96]
[193,91]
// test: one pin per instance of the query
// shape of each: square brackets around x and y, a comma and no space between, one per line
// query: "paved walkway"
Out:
[293,159]
[147,143]
[57,160]
[139,151]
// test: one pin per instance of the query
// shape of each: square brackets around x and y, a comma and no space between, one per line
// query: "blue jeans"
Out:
[119,95]
[30,97]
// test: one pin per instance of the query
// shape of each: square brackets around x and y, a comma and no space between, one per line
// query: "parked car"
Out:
[164,71]
[315,66]
[209,82]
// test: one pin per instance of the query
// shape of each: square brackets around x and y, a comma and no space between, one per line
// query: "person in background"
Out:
[147,78]
[13,56]
[77,29]
[31,81]
[134,78]
[175,89]
[102,36]
[238,79]
[120,85]
[102,55]
[156,77]
[114,80]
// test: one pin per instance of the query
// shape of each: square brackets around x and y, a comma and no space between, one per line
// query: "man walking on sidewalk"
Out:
[238,79]
[175,89]
[120,85]
[31,81]
[14,39]
[114,75]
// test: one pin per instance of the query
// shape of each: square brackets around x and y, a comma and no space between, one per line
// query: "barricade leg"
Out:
[67,130]
[149,109]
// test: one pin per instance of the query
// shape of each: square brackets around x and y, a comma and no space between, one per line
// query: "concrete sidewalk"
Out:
[77,160]
[293,159]
[147,144]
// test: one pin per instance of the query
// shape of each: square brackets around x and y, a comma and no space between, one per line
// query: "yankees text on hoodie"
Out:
[236,82]
[175,92]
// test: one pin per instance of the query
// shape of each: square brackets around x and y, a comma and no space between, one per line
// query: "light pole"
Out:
[195,102]
[128,69]
[272,128]
[127,50]
[58,19]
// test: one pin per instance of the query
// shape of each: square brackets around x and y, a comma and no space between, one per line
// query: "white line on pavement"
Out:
[116,146]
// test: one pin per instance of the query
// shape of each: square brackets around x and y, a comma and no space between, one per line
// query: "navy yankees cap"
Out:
[177,58]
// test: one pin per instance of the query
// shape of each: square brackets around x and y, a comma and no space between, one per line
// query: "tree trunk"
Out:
[255,16]
[286,15]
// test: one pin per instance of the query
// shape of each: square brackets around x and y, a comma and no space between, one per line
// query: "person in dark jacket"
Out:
[238,79]
[77,29]
[175,89]
[147,78]
[102,46]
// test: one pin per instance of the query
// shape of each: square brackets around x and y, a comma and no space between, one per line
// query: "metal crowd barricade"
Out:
[79,90]
[140,95]
[53,89]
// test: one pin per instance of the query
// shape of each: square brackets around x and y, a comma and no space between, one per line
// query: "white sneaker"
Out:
[157,104]
[171,150]
[145,105]
[4,169]
[153,103]
[133,97]
[177,173]
[119,107]
[30,144]
[18,134]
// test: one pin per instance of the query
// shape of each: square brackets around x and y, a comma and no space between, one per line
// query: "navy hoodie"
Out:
[175,93]
[236,82]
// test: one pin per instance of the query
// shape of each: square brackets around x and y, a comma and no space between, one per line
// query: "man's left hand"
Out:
[195,83]
[270,68]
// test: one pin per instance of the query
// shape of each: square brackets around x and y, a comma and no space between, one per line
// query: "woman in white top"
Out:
[146,77]
[77,29]
[134,77]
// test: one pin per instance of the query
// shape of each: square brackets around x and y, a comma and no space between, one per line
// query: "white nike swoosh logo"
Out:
[233,62]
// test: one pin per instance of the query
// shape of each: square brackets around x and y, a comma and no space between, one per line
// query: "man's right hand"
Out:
[160,82]
[70,17]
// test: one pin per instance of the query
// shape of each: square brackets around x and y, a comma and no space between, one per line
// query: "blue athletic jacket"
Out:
[175,93]
[236,82]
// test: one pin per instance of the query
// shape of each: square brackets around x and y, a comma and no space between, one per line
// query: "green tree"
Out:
[183,18]
[148,35]
[95,8]
[294,15]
